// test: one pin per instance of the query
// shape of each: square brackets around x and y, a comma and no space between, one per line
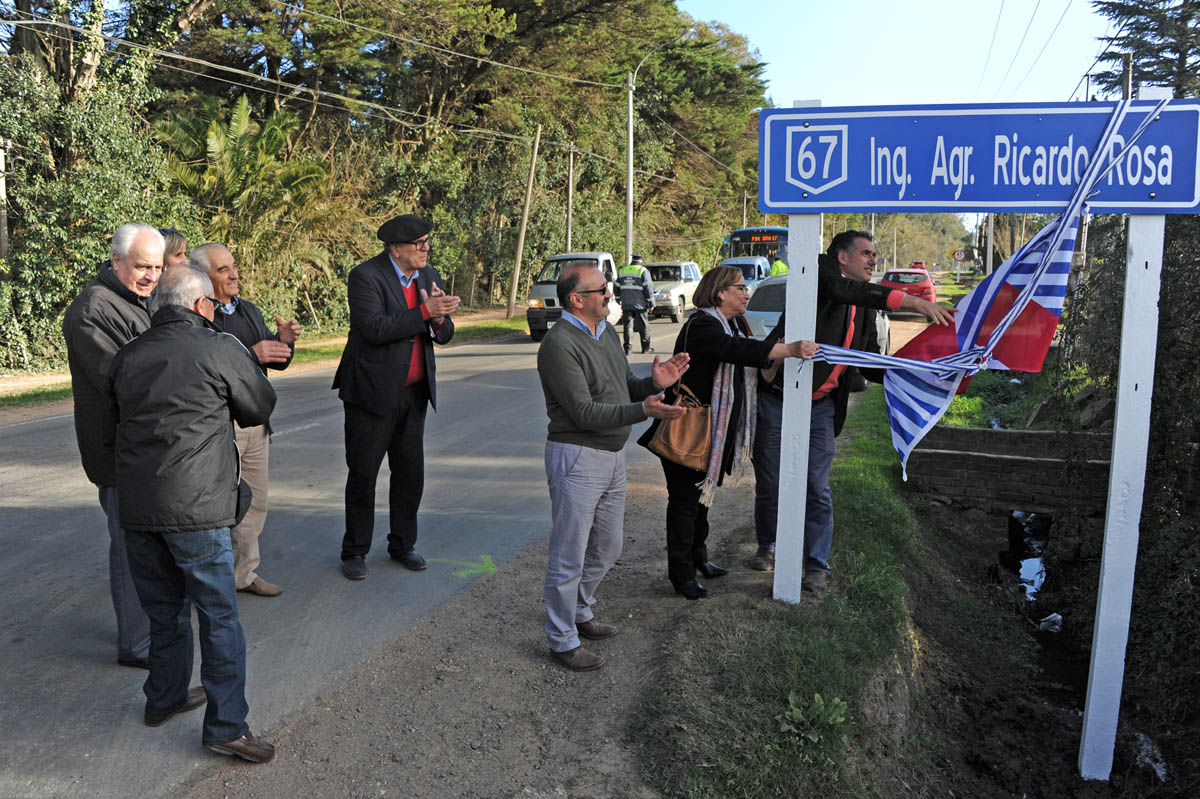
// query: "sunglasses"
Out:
[591,291]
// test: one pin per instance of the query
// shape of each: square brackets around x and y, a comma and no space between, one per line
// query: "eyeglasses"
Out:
[591,291]
[742,287]
[421,244]
[215,302]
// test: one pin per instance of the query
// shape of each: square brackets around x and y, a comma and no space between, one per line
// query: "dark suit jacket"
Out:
[836,295]
[375,362]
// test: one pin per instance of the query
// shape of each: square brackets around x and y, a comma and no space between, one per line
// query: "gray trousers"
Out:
[133,627]
[253,447]
[587,502]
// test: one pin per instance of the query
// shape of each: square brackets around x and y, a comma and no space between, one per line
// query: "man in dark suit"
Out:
[385,379]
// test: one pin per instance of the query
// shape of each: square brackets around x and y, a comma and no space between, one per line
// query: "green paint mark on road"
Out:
[485,566]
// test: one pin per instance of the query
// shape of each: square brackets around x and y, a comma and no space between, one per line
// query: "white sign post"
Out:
[974,158]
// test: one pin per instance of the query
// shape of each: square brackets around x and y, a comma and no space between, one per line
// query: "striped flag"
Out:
[1006,322]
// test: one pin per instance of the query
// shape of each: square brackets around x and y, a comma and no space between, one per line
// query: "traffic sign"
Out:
[959,255]
[978,157]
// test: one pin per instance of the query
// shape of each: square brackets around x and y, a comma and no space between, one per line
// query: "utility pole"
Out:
[570,190]
[629,169]
[744,198]
[1127,76]
[4,208]
[516,277]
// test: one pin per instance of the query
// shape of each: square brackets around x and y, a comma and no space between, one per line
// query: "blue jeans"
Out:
[133,628]
[767,437]
[169,569]
[818,516]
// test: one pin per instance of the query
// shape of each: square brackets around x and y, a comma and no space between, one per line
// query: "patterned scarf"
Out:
[722,404]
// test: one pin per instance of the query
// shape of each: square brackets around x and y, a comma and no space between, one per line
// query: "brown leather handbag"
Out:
[688,439]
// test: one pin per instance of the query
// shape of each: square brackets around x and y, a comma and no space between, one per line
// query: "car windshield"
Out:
[663,274]
[904,277]
[553,269]
[768,298]
[747,270]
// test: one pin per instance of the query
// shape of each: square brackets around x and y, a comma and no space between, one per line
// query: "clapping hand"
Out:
[439,302]
[655,408]
[288,331]
[665,374]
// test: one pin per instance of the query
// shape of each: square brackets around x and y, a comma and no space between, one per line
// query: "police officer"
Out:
[778,265]
[637,298]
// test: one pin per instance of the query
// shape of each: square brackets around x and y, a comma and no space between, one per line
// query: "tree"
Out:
[1163,36]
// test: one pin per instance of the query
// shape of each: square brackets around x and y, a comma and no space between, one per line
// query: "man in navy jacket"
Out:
[385,380]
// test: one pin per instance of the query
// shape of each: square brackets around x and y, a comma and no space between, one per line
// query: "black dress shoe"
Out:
[355,568]
[410,560]
[691,590]
[710,569]
[134,663]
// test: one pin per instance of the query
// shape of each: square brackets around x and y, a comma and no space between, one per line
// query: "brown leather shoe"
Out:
[579,659]
[595,630]
[246,748]
[262,588]
[763,560]
[814,580]
[195,698]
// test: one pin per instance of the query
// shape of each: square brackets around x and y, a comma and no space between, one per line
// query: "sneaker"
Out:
[763,560]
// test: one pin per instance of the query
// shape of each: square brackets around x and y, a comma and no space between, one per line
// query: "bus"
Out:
[769,242]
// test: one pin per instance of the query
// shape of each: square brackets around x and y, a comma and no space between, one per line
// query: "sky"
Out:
[889,52]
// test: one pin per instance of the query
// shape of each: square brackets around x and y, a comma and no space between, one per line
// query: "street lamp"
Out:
[629,85]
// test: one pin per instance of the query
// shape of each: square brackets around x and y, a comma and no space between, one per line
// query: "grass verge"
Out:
[36,396]
[734,709]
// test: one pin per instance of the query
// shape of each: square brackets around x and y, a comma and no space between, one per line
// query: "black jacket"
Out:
[836,294]
[177,390]
[709,346]
[102,319]
[375,362]
[247,325]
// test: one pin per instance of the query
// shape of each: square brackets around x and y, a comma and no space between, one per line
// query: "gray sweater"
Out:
[592,396]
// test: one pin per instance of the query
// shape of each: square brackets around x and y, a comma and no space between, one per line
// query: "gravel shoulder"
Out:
[469,702]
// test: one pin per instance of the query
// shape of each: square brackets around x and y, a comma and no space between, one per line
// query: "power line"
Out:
[1112,40]
[995,30]
[1044,46]
[1020,44]
[418,43]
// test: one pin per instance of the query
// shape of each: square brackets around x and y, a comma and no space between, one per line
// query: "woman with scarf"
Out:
[718,340]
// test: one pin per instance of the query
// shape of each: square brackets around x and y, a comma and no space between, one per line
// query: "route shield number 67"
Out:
[816,156]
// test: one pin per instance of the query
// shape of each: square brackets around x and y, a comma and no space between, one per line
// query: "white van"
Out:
[544,309]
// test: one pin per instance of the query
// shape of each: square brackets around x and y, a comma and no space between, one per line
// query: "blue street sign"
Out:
[981,157]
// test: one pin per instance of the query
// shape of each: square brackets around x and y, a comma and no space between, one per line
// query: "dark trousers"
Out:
[401,435]
[637,318]
[687,522]
[768,436]
[168,570]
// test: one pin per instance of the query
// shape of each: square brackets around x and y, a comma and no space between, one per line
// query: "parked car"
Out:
[916,282]
[544,309]
[755,268]
[917,265]
[769,299]
[674,284]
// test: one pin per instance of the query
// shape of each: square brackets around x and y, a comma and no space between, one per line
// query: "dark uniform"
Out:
[637,298]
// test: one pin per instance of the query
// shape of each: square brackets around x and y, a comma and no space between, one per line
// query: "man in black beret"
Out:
[397,311]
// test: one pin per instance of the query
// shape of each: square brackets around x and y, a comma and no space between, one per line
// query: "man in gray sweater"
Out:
[592,400]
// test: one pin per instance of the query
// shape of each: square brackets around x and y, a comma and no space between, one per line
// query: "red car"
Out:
[916,282]
[917,265]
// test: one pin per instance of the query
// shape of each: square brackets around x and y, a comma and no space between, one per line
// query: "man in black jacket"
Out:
[174,390]
[109,312]
[846,304]
[385,379]
[241,318]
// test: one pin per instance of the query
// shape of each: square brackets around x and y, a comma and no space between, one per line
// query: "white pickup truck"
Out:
[544,309]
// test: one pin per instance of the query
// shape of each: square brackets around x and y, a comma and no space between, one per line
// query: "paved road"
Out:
[71,717]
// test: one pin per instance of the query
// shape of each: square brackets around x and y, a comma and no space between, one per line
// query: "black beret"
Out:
[405,228]
[636,258]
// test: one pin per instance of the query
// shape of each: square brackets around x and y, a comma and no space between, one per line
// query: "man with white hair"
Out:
[177,390]
[107,314]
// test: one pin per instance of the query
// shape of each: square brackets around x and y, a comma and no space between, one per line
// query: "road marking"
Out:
[32,421]
[295,429]
[485,566]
